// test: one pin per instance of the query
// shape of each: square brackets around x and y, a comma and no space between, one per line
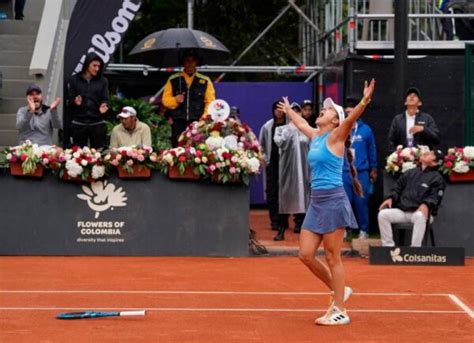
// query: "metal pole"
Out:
[468,77]
[304,16]
[190,14]
[220,77]
[401,48]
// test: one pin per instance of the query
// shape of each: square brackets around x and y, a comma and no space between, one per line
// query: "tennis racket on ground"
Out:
[96,314]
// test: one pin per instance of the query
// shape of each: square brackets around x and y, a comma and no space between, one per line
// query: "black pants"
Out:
[93,136]
[19,6]
[176,129]
[272,186]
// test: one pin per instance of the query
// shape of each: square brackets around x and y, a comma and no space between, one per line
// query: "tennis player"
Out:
[329,211]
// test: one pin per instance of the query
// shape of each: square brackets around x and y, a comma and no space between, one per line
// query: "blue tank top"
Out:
[326,168]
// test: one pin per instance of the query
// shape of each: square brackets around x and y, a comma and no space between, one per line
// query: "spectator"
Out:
[415,197]
[88,96]
[296,107]
[364,153]
[187,95]
[307,112]
[130,131]
[36,121]
[19,7]
[413,127]
[271,172]
[293,195]
[235,113]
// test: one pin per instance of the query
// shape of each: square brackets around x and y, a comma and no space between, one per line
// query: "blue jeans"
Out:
[359,204]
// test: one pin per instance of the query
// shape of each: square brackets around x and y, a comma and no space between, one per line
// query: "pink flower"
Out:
[141,158]
[130,162]
[115,163]
[232,170]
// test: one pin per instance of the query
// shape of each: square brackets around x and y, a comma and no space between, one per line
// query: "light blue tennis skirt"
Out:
[329,210]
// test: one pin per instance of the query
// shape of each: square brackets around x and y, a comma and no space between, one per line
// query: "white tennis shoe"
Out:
[347,295]
[334,317]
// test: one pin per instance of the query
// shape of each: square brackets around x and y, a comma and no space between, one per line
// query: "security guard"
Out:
[187,95]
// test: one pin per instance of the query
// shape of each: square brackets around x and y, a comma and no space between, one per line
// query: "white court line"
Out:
[204,292]
[462,305]
[184,309]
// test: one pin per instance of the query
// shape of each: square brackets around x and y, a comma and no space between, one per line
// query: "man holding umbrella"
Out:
[187,95]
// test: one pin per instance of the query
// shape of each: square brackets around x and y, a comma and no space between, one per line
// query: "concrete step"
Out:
[16,72]
[19,27]
[7,121]
[17,42]
[16,57]
[14,88]
[11,105]
[8,137]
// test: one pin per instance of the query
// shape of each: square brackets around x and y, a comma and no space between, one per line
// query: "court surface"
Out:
[229,300]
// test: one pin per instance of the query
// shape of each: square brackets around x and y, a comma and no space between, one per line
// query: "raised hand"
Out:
[103,108]
[284,106]
[55,104]
[369,89]
[78,100]
[31,104]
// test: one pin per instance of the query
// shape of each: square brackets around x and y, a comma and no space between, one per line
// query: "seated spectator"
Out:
[235,114]
[416,195]
[130,131]
[413,127]
[36,121]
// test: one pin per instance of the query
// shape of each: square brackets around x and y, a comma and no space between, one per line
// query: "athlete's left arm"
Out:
[342,131]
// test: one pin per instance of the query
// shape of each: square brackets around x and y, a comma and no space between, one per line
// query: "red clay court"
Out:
[228,300]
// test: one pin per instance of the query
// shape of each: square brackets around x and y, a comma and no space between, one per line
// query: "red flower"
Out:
[78,160]
[75,148]
[173,153]
[182,158]
[44,155]
[198,153]
[449,164]
[123,153]
[23,157]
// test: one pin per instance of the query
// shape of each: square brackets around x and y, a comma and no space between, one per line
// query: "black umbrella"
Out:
[165,48]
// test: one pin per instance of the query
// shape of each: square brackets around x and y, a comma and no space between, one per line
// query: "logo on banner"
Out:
[102,196]
[396,255]
[104,44]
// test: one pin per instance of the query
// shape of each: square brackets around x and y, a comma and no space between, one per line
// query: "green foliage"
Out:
[159,126]
[235,23]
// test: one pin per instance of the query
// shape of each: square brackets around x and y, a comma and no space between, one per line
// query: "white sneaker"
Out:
[334,317]
[363,235]
[347,295]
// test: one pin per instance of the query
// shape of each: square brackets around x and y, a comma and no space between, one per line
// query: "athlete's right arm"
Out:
[298,120]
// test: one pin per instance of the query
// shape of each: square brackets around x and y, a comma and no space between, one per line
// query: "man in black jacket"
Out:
[416,195]
[88,96]
[413,127]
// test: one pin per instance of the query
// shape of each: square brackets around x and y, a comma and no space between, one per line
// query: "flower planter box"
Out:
[17,170]
[234,180]
[66,177]
[173,173]
[462,177]
[139,172]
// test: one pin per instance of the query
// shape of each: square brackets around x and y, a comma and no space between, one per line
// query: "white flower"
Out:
[214,143]
[461,167]
[76,154]
[254,164]
[230,142]
[84,163]
[179,151]
[97,155]
[407,166]
[408,153]
[469,152]
[98,172]
[73,169]
[192,151]
[9,156]
[392,158]
[169,159]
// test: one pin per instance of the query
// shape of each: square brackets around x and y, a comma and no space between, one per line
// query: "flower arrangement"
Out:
[82,163]
[224,150]
[31,156]
[458,160]
[402,160]
[132,159]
